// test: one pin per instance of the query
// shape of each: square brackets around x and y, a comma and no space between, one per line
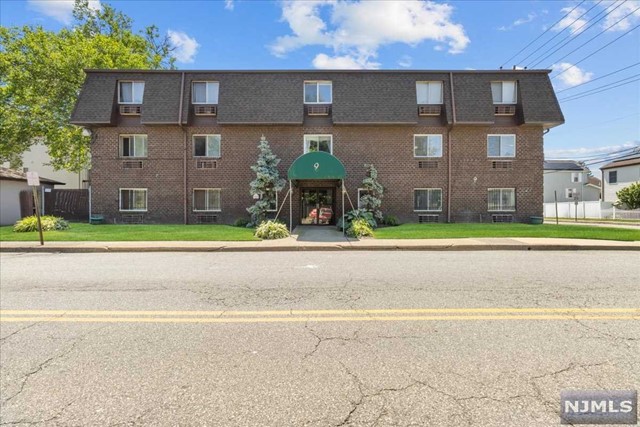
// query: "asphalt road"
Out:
[313,338]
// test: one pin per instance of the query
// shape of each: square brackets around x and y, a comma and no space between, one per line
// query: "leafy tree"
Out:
[374,191]
[267,183]
[630,195]
[41,73]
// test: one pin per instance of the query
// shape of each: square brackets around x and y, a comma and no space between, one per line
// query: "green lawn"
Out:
[450,231]
[113,233]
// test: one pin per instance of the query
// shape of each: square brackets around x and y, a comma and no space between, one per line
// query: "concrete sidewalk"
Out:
[293,244]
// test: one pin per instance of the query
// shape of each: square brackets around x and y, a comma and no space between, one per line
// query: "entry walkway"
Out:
[329,233]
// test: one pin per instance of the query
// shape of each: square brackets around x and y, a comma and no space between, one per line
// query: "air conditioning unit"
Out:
[504,110]
[428,164]
[206,219]
[429,110]
[424,219]
[130,110]
[501,218]
[205,110]
[132,164]
[206,164]
[502,164]
[318,110]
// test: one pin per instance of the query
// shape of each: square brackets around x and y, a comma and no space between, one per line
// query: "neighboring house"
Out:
[570,180]
[37,159]
[177,146]
[618,175]
[12,182]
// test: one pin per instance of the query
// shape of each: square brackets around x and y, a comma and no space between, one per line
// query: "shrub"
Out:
[360,228]
[355,214]
[49,223]
[390,220]
[241,222]
[630,196]
[272,230]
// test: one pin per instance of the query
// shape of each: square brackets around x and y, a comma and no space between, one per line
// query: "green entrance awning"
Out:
[316,165]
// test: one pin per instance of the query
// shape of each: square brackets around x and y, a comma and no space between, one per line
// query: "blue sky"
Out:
[238,34]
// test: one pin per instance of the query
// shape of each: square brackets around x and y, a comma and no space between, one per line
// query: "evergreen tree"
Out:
[374,191]
[267,183]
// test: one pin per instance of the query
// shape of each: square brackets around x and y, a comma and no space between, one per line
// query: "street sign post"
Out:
[33,180]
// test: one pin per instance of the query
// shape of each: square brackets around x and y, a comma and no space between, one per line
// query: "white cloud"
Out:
[520,21]
[406,61]
[355,30]
[344,62]
[583,151]
[627,8]
[574,21]
[185,47]
[60,10]
[228,4]
[573,76]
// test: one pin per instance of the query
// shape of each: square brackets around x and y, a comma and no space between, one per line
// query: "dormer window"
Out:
[429,93]
[130,92]
[318,92]
[504,92]
[205,93]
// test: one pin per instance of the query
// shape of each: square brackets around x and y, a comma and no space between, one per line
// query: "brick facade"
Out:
[389,148]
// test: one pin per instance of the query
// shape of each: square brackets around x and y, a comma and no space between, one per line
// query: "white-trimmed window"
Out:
[133,145]
[502,199]
[429,92]
[427,199]
[273,200]
[204,92]
[318,92]
[576,177]
[130,92]
[501,145]
[504,92]
[133,199]
[206,146]
[570,193]
[427,145]
[206,200]
[318,143]
[361,192]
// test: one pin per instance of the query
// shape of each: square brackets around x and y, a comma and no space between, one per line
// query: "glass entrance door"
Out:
[316,206]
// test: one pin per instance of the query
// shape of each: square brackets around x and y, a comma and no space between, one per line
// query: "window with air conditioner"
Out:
[429,92]
[206,200]
[427,145]
[204,93]
[504,92]
[133,199]
[502,199]
[318,143]
[206,146]
[501,145]
[133,145]
[427,199]
[318,92]
[130,92]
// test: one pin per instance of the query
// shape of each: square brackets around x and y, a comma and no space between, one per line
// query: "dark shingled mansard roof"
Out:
[359,96]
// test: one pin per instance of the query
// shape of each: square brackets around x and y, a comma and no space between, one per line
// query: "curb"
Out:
[332,248]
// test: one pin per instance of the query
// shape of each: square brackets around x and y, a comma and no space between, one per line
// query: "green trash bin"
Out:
[536,220]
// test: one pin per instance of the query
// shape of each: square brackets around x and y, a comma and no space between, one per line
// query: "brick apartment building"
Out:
[177,146]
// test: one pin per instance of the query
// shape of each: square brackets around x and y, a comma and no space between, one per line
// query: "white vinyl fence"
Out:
[604,210]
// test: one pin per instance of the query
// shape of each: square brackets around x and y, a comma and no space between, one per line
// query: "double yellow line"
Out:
[291,316]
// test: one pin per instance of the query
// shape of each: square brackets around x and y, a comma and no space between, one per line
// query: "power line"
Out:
[593,53]
[601,77]
[561,31]
[604,89]
[599,156]
[600,87]
[545,32]
[588,41]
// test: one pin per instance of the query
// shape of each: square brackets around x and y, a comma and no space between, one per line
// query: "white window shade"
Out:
[504,92]
[429,92]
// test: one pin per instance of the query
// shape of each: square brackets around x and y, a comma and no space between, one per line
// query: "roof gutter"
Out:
[184,154]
